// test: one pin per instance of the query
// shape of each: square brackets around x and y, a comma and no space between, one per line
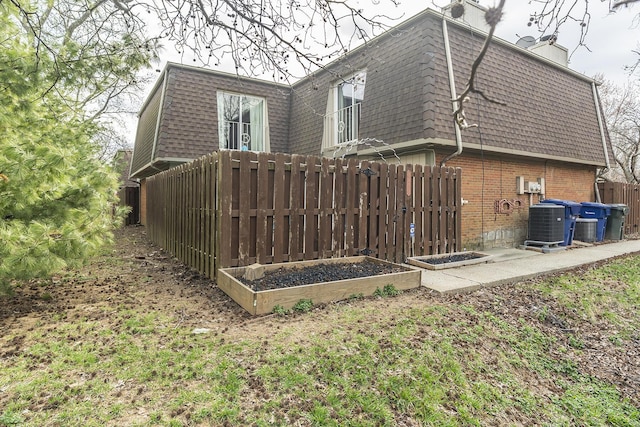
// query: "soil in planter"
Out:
[319,273]
[449,259]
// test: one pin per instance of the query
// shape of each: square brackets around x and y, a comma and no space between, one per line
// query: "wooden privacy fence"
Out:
[235,208]
[629,194]
[130,196]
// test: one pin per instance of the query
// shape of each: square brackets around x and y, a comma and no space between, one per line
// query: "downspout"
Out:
[596,100]
[454,96]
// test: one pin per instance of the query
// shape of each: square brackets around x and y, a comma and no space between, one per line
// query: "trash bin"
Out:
[586,230]
[615,224]
[598,211]
[571,212]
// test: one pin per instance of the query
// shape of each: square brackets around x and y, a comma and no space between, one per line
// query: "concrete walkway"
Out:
[513,265]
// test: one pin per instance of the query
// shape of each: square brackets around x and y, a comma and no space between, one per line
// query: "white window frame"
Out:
[243,139]
[342,125]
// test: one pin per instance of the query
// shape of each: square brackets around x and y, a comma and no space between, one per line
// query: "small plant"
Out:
[303,306]
[279,310]
[390,290]
[615,340]
[354,297]
[543,313]
[576,342]
[9,418]
[46,297]
[387,291]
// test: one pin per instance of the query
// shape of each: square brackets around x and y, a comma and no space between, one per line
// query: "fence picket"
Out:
[295,202]
[340,209]
[417,242]
[261,241]
[457,198]
[311,199]
[383,196]
[351,207]
[279,242]
[325,213]
[392,213]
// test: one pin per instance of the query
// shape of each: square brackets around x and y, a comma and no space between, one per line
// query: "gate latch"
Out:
[368,172]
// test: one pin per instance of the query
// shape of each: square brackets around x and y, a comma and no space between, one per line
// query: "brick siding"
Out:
[488,180]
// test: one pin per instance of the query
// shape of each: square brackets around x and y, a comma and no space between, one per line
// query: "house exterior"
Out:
[122,165]
[394,97]
[128,189]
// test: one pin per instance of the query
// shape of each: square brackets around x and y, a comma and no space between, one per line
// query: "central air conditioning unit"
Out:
[546,223]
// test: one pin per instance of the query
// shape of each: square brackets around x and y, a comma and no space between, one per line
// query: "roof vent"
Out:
[469,12]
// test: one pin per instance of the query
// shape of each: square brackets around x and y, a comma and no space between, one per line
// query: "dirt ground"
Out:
[166,285]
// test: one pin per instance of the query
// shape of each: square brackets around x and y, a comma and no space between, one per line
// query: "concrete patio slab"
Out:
[513,265]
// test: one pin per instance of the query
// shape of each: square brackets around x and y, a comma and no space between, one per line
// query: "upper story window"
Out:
[242,122]
[342,120]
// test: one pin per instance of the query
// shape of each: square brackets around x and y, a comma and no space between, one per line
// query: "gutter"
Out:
[454,96]
[596,101]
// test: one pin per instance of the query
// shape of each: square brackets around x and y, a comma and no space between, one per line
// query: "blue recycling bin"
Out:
[571,212]
[597,211]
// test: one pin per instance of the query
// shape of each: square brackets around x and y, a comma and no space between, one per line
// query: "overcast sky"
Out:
[611,38]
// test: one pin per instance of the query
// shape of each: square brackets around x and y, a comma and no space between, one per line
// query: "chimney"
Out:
[469,12]
[548,48]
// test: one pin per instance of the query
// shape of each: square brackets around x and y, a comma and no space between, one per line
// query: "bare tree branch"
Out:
[287,39]
[493,17]
[621,107]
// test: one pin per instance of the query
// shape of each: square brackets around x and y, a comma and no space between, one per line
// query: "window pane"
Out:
[350,94]
[241,122]
[232,120]
[256,120]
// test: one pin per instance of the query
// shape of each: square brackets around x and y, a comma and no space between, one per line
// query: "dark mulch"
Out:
[319,273]
[446,259]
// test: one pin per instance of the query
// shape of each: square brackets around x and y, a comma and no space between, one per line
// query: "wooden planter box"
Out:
[263,302]
[420,261]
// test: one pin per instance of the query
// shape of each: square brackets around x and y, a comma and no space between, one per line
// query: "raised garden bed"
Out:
[456,259]
[321,281]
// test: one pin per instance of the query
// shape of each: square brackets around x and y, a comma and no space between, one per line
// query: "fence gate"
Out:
[629,194]
[130,196]
[236,208]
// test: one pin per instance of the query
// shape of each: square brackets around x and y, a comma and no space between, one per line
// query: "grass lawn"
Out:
[114,344]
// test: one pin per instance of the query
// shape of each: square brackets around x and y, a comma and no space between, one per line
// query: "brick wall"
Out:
[492,179]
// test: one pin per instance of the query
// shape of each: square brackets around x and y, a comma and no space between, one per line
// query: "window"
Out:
[342,120]
[242,122]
